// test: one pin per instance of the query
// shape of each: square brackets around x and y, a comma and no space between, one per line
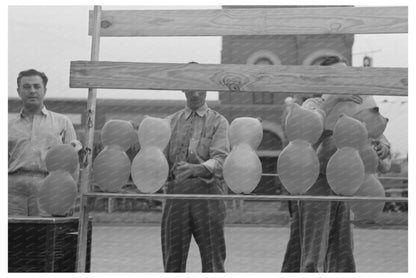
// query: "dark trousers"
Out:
[320,235]
[203,219]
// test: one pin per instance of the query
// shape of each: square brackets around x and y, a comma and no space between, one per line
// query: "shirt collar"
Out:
[43,111]
[201,111]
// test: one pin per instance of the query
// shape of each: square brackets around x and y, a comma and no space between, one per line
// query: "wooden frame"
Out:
[239,78]
[271,21]
[231,78]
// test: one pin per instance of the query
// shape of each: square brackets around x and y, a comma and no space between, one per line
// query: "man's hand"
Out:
[382,149]
[184,170]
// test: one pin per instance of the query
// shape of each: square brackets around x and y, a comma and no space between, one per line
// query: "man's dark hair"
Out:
[32,72]
[332,60]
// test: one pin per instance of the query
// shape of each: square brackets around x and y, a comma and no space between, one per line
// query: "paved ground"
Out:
[249,249]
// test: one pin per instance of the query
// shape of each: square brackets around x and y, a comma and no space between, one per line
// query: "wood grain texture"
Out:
[268,21]
[239,78]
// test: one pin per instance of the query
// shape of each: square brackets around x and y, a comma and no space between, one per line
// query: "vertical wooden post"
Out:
[86,173]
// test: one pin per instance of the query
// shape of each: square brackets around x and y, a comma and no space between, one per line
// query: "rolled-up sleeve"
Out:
[219,149]
[70,136]
[70,133]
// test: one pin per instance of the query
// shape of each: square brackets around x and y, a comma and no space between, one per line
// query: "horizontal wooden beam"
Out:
[239,78]
[267,21]
[246,197]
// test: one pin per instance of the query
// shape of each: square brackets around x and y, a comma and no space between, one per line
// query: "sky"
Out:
[49,37]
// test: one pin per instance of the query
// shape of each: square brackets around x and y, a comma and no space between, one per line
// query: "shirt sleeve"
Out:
[219,149]
[70,136]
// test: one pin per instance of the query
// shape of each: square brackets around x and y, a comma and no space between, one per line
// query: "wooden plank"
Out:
[268,21]
[245,197]
[239,78]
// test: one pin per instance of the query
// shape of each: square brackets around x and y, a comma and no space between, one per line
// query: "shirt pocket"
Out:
[203,147]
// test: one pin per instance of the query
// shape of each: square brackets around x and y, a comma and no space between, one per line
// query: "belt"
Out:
[28,173]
